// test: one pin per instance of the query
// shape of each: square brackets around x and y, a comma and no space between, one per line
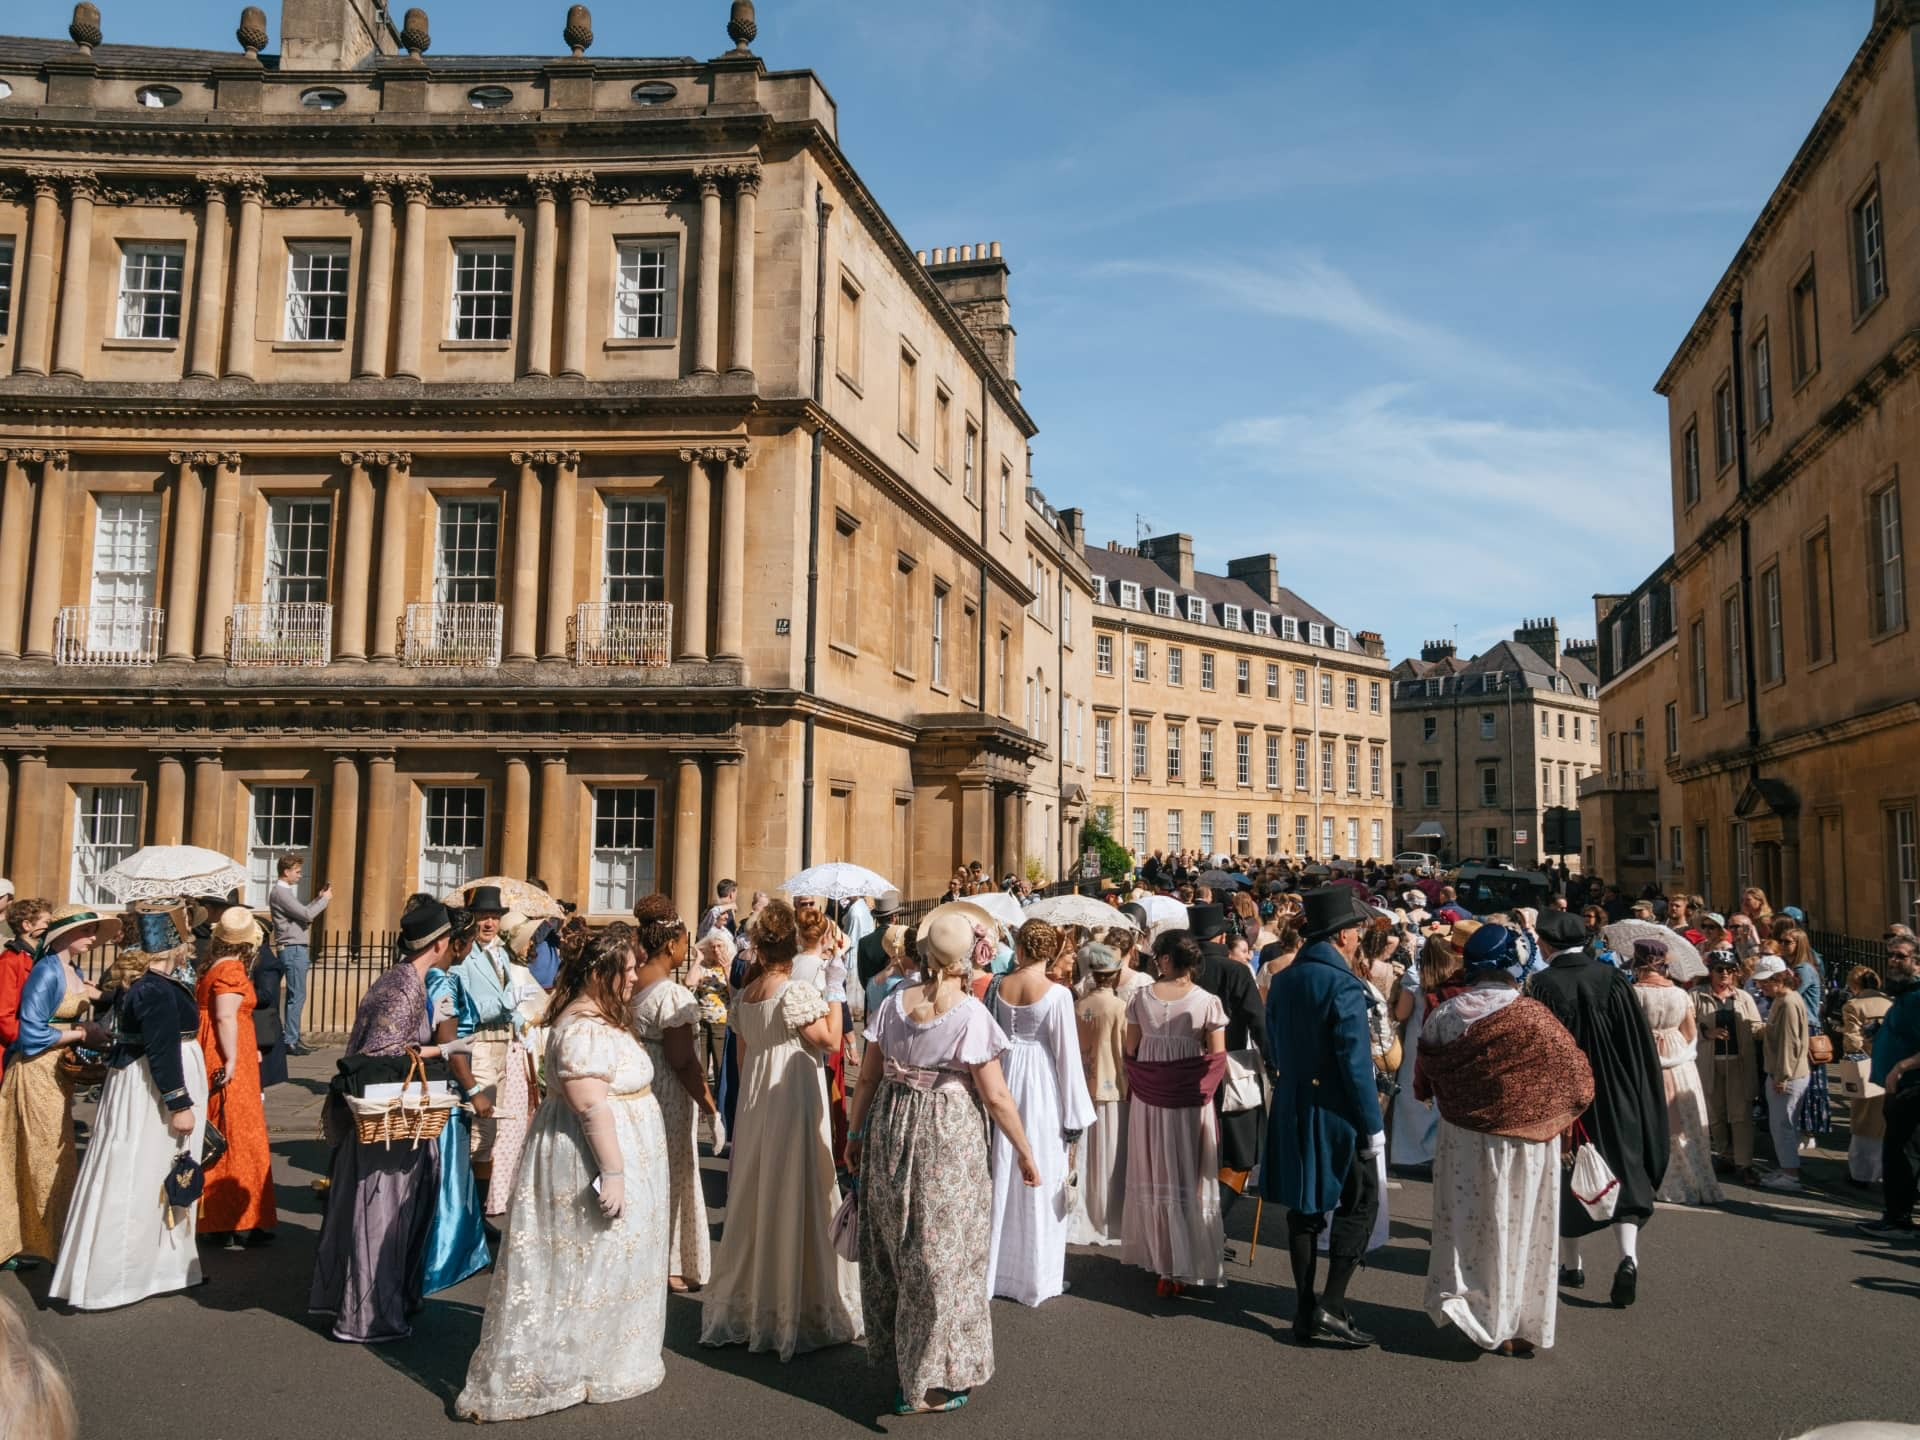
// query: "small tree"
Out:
[1036,871]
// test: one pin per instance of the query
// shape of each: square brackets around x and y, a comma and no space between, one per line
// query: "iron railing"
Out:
[294,633]
[123,634]
[1602,781]
[458,633]
[633,633]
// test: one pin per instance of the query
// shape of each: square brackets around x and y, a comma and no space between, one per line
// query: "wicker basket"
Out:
[80,1071]
[406,1118]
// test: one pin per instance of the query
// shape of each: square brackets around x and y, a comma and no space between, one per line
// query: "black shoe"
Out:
[1626,1283]
[299,1050]
[1886,1227]
[1572,1279]
[1340,1331]
[1306,1320]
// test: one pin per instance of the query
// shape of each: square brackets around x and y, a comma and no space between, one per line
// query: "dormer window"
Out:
[1129,595]
[1196,610]
[1100,589]
[1289,628]
[1262,623]
[1162,601]
[1316,634]
[1230,616]
[1342,640]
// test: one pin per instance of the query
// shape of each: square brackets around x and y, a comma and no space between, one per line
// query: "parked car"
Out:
[1484,888]
[1416,862]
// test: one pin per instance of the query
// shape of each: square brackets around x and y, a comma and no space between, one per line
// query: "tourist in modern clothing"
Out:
[1729,1026]
[1860,1021]
[1239,996]
[37,1148]
[1896,1068]
[266,1025]
[1783,1054]
[578,1307]
[1689,1179]
[293,939]
[1048,1083]
[918,1146]
[777,1283]
[457,1239]
[1102,1019]
[238,1202]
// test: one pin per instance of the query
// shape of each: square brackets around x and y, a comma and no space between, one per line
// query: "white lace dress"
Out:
[578,1308]
[659,1008]
[1690,1179]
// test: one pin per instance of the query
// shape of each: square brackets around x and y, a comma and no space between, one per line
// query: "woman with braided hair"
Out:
[1049,1087]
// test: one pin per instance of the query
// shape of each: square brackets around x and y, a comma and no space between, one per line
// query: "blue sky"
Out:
[1383,289]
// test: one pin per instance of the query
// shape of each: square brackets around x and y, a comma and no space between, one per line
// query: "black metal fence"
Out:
[1840,953]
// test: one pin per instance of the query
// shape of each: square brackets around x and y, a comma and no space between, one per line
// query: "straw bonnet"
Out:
[69,918]
[949,940]
[236,926]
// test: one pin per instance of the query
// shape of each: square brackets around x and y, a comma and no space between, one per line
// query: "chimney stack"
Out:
[1542,637]
[1436,650]
[974,280]
[1173,554]
[1074,523]
[1260,574]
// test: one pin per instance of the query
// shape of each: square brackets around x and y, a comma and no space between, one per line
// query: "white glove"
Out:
[1374,1144]
[613,1195]
[603,1138]
[835,978]
[459,1045]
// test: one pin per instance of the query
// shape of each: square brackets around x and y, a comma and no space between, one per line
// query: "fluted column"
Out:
[30,858]
[170,801]
[723,840]
[413,278]
[693,599]
[36,300]
[390,604]
[356,564]
[376,867]
[373,319]
[50,554]
[523,614]
[343,839]
[573,346]
[183,567]
[203,357]
[566,499]
[70,338]
[707,291]
[730,639]
[244,308]
[223,558]
[686,838]
[546,262]
[209,793]
[555,868]
[515,819]
[16,522]
[746,189]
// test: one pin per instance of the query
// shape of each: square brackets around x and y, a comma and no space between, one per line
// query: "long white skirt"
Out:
[118,1247]
[1028,1256]
[1494,1267]
[1102,1191]
[1415,1122]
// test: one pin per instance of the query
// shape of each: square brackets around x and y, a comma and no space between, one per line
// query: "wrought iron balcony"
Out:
[1603,781]
[294,633]
[460,633]
[108,635]
[630,634]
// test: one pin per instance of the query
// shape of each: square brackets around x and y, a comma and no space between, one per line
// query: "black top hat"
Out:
[1207,922]
[1331,909]
[485,900]
[1561,929]
[424,924]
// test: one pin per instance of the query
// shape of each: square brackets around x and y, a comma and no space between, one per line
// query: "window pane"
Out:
[106,829]
[281,824]
[297,536]
[467,554]
[317,292]
[453,836]
[623,848]
[636,551]
[642,292]
[483,293]
[150,292]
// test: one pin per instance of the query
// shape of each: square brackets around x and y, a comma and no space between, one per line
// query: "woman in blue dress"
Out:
[457,1241]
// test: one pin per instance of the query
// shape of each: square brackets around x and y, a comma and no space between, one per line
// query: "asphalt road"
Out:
[1760,1318]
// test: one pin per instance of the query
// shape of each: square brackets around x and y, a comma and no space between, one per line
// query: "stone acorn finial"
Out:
[252,33]
[579,31]
[85,28]
[740,26]
[414,33]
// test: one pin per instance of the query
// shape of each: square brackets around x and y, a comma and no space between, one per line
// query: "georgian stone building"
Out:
[1630,815]
[1230,716]
[1794,416]
[1483,748]
[553,466]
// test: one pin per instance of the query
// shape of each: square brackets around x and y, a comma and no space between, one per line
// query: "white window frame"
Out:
[1300,835]
[1176,747]
[1299,687]
[280,821]
[622,869]
[1162,601]
[626,517]
[445,867]
[1273,762]
[152,290]
[125,573]
[1208,773]
[1100,590]
[1206,832]
[1327,761]
[1230,616]
[317,315]
[643,310]
[1243,759]
[1289,628]
[1196,610]
[475,309]
[1139,830]
[1176,665]
[106,830]
[1142,661]
[1129,595]
[1316,633]
[1341,639]
[937,659]
[1103,654]
[1175,826]
[1206,670]
[1140,756]
[1870,268]
[1887,580]
[1326,836]
[1103,745]
[1302,764]
[1262,623]
[299,548]
[452,585]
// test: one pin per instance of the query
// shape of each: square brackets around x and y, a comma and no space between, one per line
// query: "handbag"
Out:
[845,1229]
[1240,1090]
[184,1184]
[1819,1050]
[1593,1182]
[213,1145]
[267,1030]
[1856,1080]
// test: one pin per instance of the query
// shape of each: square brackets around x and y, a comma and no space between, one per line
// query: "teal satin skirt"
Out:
[457,1242]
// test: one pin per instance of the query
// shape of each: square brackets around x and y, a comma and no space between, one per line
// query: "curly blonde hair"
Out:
[1037,942]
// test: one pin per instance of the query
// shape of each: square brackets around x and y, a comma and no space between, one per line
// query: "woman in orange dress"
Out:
[238,1200]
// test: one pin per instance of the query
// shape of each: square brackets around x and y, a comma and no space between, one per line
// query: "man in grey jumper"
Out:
[292,937]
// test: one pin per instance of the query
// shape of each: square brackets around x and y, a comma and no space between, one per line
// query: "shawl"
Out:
[1177,1084]
[1515,1072]
[392,1014]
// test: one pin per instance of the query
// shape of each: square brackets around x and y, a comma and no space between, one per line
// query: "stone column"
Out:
[170,801]
[546,260]
[555,862]
[693,600]
[747,187]
[373,319]
[730,637]
[189,520]
[707,291]
[31,860]
[6,807]
[244,307]
[223,558]
[523,615]
[391,603]
[376,866]
[203,358]
[36,301]
[723,842]
[209,793]
[16,520]
[70,339]
[413,278]
[573,345]
[343,841]
[50,551]
[356,568]
[1009,836]
[515,817]
[566,500]
[686,838]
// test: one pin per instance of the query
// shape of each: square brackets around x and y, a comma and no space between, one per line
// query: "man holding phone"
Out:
[292,937]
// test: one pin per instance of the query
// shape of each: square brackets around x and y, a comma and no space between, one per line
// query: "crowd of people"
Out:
[916,1118]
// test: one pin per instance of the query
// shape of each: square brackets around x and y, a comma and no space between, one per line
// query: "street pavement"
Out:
[1760,1318]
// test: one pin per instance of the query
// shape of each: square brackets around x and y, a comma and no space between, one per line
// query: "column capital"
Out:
[579,184]
[716,454]
[229,460]
[412,184]
[554,757]
[57,459]
[746,179]
[727,757]
[77,181]
[382,183]
[387,459]
[566,459]
[45,180]
[193,457]
[381,757]
[22,457]
[214,184]
[251,184]
[708,177]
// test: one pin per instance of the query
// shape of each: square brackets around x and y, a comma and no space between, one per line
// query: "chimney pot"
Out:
[996,249]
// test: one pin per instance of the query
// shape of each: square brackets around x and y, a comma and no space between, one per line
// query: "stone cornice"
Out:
[1796,742]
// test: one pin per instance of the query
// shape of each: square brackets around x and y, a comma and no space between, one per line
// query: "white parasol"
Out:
[836,880]
[167,872]
[1003,907]
[1162,909]
[1684,961]
[1082,910]
[530,900]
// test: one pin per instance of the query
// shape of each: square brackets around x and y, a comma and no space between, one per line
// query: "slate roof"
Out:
[1216,590]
